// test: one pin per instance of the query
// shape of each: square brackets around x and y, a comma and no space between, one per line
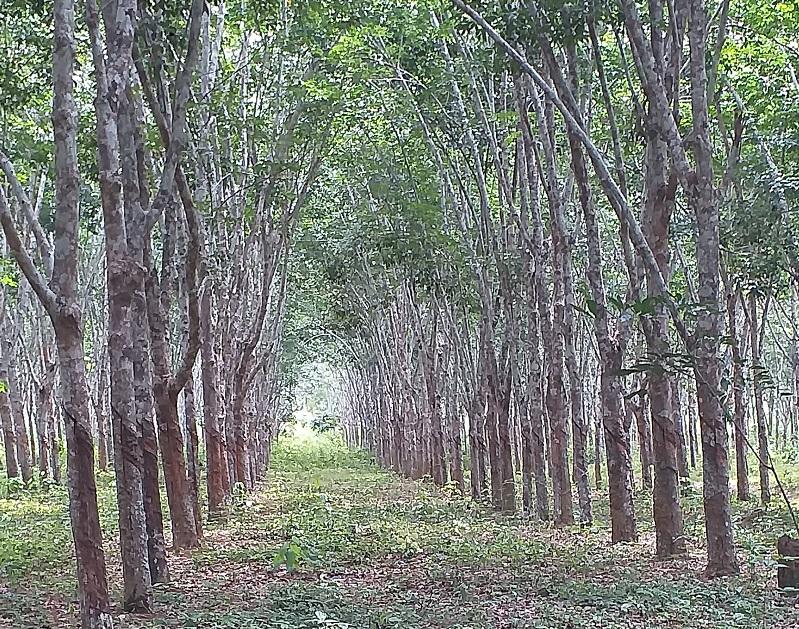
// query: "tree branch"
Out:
[24,260]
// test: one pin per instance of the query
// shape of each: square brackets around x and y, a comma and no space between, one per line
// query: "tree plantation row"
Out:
[547,247]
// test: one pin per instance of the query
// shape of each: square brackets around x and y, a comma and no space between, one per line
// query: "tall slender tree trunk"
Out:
[9,435]
[617,440]
[429,354]
[757,394]
[679,428]
[658,205]
[703,198]
[113,77]
[193,452]
[170,436]
[537,305]
[18,414]
[477,454]
[553,330]
[214,442]
[53,432]
[101,412]
[59,299]
[454,440]
[579,429]
[136,198]
[165,392]
[739,400]
[641,411]
[44,411]
[89,555]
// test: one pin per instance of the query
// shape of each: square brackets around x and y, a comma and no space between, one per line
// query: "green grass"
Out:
[34,526]
[332,541]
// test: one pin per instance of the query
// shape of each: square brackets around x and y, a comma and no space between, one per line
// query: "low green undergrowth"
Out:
[35,534]
[330,540]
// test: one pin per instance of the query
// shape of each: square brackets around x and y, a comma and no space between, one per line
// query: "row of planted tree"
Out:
[531,246]
[538,334]
[157,245]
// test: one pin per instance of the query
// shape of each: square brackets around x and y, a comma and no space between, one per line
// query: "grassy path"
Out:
[333,542]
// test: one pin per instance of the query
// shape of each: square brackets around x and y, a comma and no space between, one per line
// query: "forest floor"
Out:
[331,541]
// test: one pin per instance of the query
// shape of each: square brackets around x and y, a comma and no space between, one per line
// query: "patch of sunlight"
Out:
[21,507]
[302,430]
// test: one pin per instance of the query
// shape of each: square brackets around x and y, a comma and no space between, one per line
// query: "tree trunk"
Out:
[90,559]
[112,81]
[9,436]
[739,392]
[53,430]
[170,436]
[641,411]
[59,299]
[455,443]
[477,473]
[757,393]
[193,452]
[703,198]
[679,428]
[429,355]
[537,305]
[552,329]
[151,490]
[658,205]
[579,429]
[214,443]
[44,411]
[598,450]
[170,439]
[617,441]
[20,429]
[126,425]
[240,439]
[134,159]
[101,412]
[692,430]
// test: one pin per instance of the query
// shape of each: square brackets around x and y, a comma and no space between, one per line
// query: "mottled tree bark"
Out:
[739,400]
[579,429]
[455,443]
[170,436]
[477,453]
[553,330]
[173,186]
[59,299]
[536,305]
[757,394]
[113,79]
[658,206]
[214,442]
[679,428]
[438,460]
[193,452]
[134,159]
[641,411]
[703,198]
[89,555]
[101,413]
[611,351]
[18,415]
[9,435]
[44,411]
